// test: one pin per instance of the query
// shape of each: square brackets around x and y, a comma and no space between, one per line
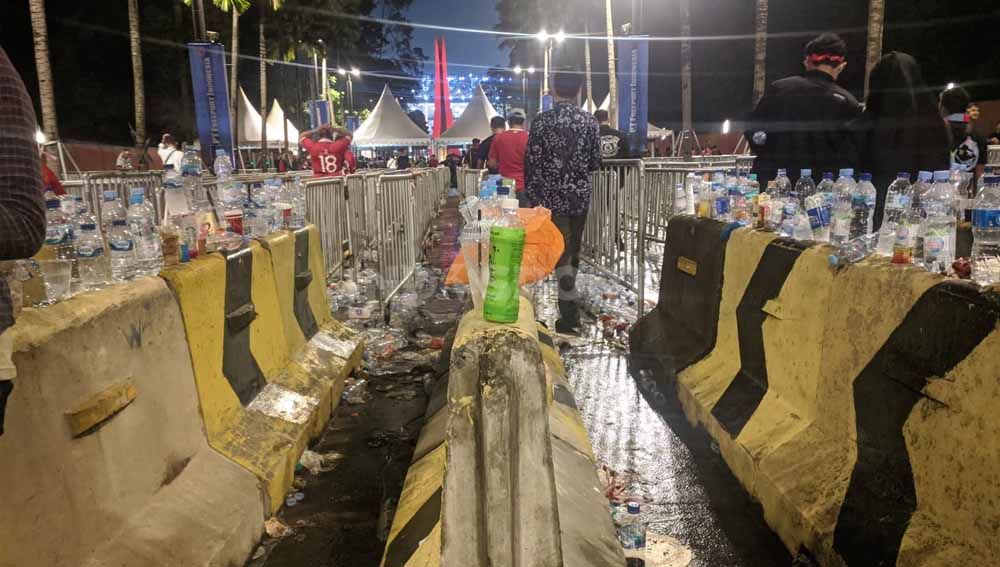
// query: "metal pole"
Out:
[323,86]
[612,79]
[524,93]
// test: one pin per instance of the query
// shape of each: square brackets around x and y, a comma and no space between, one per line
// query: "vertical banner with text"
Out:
[319,113]
[633,92]
[211,99]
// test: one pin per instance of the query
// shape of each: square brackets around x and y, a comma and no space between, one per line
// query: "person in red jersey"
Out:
[329,156]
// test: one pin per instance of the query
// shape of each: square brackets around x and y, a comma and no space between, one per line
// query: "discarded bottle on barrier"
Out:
[632,532]
[897,204]
[854,250]
[95,271]
[842,213]
[123,261]
[140,217]
[986,233]
[503,300]
[940,204]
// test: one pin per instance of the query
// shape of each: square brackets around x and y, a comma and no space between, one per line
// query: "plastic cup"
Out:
[57,275]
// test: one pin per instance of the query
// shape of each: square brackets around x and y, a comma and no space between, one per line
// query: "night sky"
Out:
[478,51]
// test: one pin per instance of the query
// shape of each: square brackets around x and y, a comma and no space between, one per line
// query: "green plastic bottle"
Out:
[503,299]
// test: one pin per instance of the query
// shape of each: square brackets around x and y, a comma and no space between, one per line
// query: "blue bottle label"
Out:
[722,206]
[986,218]
[89,251]
[56,235]
[121,245]
[824,214]
[815,217]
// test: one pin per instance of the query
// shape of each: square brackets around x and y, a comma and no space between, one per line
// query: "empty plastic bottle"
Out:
[940,206]
[842,213]
[176,199]
[58,231]
[298,215]
[112,209]
[632,531]
[782,185]
[897,205]
[122,250]
[918,193]
[863,207]
[191,171]
[723,207]
[986,233]
[142,224]
[503,300]
[223,166]
[94,269]
[817,205]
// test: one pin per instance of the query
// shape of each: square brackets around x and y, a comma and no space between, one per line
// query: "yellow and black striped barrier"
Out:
[854,404]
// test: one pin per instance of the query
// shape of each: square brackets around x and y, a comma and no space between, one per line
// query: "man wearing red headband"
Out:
[801,121]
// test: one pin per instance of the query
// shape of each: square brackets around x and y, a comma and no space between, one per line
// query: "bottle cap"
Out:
[828,175]
[866,176]
[633,508]
[782,172]
[903,175]
[118,222]
[509,204]
[52,204]
[847,173]
[924,176]
[220,152]
[753,177]
[805,173]
[88,226]
[168,167]
[941,175]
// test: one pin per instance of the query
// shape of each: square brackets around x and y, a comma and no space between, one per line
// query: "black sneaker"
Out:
[564,328]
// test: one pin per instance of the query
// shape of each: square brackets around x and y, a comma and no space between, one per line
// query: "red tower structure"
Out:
[443,118]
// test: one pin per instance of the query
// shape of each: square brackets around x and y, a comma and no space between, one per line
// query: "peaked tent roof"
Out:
[589,106]
[474,122]
[276,127]
[388,125]
[249,120]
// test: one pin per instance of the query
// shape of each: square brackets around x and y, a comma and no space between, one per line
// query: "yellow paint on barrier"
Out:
[101,406]
[281,246]
[317,288]
[267,331]
[423,479]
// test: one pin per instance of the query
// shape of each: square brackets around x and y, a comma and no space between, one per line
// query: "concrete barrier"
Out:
[852,404]
[503,472]
[262,398]
[92,479]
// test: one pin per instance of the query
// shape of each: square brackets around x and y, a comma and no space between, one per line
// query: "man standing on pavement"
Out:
[22,213]
[329,156]
[801,121]
[498,124]
[507,155]
[168,152]
[613,144]
[563,150]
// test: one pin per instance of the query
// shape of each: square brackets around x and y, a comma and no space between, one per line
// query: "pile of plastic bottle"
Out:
[919,224]
[131,240]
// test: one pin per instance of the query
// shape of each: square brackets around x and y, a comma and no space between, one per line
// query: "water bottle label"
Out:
[110,195]
[903,201]
[903,234]
[815,218]
[722,206]
[85,251]
[825,214]
[933,245]
[121,245]
[986,218]
[55,235]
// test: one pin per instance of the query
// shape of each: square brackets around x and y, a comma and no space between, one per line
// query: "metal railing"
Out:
[395,233]
[326,207]
[993,155]
[468,181]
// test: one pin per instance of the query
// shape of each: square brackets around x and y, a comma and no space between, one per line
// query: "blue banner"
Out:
[211,99]
[633,92]
[546,103]
[352,123]
[319,113]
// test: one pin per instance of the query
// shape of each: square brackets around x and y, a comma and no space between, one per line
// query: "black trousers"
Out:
[571,228]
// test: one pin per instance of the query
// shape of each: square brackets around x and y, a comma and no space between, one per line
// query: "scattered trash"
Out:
[290,501]
[355,391]
[260,552]
[299,496]
[665,551]
[405,395]
[318,463]
[616,485]
[275,529]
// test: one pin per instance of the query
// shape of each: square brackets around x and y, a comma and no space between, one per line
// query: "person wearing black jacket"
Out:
[801,121]
[497,124]
[613,144]
[900,129]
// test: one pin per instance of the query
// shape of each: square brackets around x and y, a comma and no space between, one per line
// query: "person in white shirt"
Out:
[169,153]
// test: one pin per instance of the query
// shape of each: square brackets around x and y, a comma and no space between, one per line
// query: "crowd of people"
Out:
[808,121]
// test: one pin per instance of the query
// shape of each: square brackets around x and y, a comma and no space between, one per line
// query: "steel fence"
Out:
[468,181]
[94,183]
[395,233]
[327,208]
[614,236]
[993,155]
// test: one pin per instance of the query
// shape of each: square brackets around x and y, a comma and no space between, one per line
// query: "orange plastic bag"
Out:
[543,246]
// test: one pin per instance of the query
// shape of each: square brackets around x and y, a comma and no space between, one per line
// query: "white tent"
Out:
[589,106]
[388,125]
[249,122]
[474,122]
[276,123]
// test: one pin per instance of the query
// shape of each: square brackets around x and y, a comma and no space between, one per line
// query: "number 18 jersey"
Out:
[329,158]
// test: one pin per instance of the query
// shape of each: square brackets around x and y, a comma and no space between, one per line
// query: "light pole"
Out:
[524,85]
[547,40]
[354,72]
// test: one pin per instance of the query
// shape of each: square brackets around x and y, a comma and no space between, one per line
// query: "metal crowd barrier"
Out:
[614,236]
[993,155]
[468,181]
[327,208]
[94,183]
[395,232]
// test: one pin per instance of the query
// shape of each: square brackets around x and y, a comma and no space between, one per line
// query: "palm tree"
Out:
[760,52]
[46,92]
[612,78]
[876,26]
[685,6]
[139,92]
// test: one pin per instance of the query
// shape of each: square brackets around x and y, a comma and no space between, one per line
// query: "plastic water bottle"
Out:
[175,198]
[283,205]
[680,199]
[795,221]
[142,224]
[503,301]
[897,205]
[918,195]
[843,193]
[940,205]
[863,207]
[298,216]
[782,185]
[58,231]
[112,209]
[95,271]
[739,202]
[222,167]
[191,170]
[723,207]
[986,233]
[817,207]
[122,248]
[632,532]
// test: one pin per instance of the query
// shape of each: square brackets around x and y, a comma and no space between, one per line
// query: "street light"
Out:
[354,72]
[547,39]
[725,126]
[950,86]
[560,36]
[542,36]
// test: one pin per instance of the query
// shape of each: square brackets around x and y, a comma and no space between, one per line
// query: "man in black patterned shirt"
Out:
[22,213]
[563,150]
